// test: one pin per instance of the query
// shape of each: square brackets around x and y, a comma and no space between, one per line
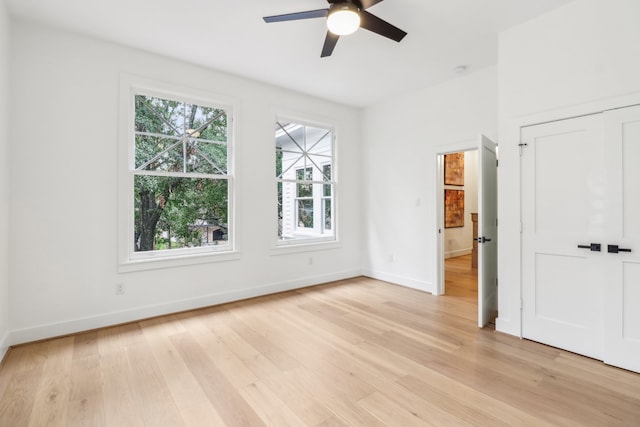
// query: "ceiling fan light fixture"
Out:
[343,19]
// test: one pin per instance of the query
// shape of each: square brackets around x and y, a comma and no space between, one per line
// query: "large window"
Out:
[179,179]
[306,186]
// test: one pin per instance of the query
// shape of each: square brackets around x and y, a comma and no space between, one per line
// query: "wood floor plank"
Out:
[269,406]
[389,413]
[16,403]
[339,398]
[86,401]
[226,399]
[185,390]
[358,352]
[52,398]
[121,402]
[158,407]
[301,401]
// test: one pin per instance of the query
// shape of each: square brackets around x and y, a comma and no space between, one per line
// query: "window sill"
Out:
[177,261]
[305,246]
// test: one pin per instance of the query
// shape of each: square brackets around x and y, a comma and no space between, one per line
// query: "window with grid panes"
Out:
[179,177]
[305,182]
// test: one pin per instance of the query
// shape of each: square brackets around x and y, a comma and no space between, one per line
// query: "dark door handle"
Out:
[481,239]
[614,249]
[594,247]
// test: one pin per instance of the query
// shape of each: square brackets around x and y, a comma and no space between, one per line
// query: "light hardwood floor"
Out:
[357,352]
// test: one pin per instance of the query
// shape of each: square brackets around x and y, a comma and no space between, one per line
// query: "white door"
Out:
[563,207]
[487,231]
[622,281]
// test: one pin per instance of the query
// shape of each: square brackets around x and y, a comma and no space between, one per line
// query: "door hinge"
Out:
[497,162]
[522,144]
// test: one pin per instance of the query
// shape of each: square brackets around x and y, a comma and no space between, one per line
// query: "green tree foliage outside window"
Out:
[180,176]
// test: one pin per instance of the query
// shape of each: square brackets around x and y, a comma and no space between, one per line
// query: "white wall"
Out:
[459,240]
[63,232]
[4,178]
[400,139]
[585,52]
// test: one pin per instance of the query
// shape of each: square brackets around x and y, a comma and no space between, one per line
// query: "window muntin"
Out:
[180,181]
[304,159]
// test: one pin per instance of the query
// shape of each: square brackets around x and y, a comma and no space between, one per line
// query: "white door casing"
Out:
[487,231]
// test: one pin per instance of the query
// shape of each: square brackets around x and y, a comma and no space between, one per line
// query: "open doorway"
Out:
[460,250]
[455,204]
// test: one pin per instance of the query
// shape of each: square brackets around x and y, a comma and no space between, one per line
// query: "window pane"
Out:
[206,123]
[173,213]
[160,116]
[326,176]
[190,131]
[278,163]
[206,157]
[318,141]
[156,153]
[303,217]
[327,214]
[280,207]
[305,190]
[305,213]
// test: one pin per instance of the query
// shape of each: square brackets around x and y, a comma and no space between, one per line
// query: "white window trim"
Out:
[317,242]
[128,260]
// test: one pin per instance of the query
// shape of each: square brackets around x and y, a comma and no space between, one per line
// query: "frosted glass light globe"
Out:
[343,19]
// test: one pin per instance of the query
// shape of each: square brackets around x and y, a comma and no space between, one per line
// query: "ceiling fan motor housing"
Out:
[357,3]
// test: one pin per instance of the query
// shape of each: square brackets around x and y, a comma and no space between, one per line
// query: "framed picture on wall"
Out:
[454,169]
[453,208]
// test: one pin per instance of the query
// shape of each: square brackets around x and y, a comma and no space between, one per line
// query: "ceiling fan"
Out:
[344,17]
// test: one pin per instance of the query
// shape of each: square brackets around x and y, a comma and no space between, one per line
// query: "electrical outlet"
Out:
[119,288]
[310,260]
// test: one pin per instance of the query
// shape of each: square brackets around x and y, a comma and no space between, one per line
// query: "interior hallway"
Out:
[461,283]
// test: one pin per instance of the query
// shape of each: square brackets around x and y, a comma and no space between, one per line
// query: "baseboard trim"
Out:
[408,282]
[52,330]
[4,347]
[460,252]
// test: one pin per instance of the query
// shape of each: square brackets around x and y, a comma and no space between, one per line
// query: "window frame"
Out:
[128,258]
[312,240]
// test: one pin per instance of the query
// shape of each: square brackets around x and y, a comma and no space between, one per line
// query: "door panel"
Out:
[578,299]
[557,280]
[563,188]
[562,197]
[622,326]
[487,228]
[630,134]
[630,298]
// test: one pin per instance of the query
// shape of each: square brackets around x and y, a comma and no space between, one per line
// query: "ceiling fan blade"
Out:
[373,23]
[329,44]
[366,4]
[320,13]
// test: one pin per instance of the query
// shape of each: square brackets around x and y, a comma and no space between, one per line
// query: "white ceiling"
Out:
[230,35]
